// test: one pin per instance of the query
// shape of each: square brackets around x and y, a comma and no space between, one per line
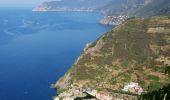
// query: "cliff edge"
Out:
[134,54]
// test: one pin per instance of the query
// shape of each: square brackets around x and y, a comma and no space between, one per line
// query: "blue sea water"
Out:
[37,48]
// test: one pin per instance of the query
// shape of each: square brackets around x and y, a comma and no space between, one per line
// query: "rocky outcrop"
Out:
[64,82]
[97,47]
[113,20]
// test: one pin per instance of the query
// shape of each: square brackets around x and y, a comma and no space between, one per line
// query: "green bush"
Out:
[59,91]
[113,80]
[154,78]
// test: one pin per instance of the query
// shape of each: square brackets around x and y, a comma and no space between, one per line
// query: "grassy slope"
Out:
[130,52]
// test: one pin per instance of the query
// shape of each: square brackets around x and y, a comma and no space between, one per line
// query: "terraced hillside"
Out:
[135,51]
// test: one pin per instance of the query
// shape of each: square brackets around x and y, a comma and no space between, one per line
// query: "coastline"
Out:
[72,86]
[105,20]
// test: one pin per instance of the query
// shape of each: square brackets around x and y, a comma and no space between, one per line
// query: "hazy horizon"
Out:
[20,3]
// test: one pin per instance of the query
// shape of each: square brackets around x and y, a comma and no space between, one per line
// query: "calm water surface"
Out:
[38,48]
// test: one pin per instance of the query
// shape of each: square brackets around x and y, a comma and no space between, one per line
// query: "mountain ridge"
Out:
[115,11]
[106,7]
[67,5]
[109,7]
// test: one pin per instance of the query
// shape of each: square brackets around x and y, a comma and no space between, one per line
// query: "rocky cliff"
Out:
[113,20]
[134,53]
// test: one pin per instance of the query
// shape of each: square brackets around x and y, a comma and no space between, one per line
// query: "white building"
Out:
[56,98]
[133,87]
[92,92]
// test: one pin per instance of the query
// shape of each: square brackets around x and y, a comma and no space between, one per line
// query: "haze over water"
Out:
[38,48]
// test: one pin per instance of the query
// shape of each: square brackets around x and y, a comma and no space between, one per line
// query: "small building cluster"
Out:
[114,20]
[133,88]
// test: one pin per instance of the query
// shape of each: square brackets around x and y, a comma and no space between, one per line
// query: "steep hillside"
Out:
[71,5]
[136,51]
[137,7]
[123,7]
[112,7]
[156,7]
[109,7]
[131,8]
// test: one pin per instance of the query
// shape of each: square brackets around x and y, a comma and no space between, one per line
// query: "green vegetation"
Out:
[126,77]
[113,80]
[136,51]
[167,70]
[161,94]
[159,69]
[122,92]
[155,86]
[153,77]
[157,93]
[125,64]
[61,90]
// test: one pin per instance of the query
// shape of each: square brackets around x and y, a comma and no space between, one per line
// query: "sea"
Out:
[37,48]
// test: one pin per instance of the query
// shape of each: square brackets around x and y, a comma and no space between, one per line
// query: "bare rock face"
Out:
[113,20]
[97,47]
[64,82]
